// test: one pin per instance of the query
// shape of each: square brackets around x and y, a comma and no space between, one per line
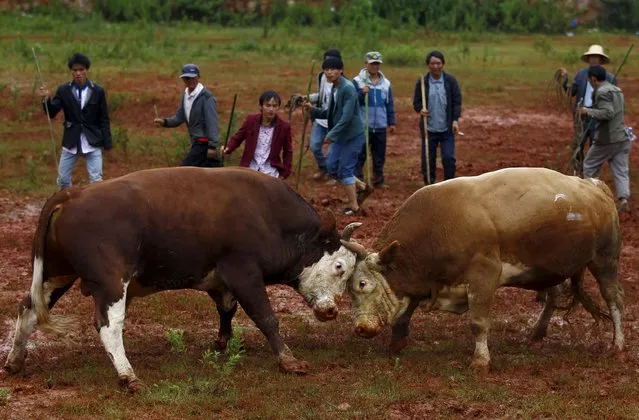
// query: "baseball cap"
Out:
[374,57]
[190,70]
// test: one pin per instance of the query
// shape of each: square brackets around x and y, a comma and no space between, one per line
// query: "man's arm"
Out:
[348,112]
[177,119]
[603,109]
[54,105]
[390,108]
[105,122]
[456,100]
[239,137]
[287,152]
[417,96]
[210,122]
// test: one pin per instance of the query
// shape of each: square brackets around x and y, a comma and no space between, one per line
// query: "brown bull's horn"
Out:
[348,231]
[356,248]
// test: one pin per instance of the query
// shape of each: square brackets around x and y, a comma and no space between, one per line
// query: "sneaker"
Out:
[319,175]
[331,181]
[623,206]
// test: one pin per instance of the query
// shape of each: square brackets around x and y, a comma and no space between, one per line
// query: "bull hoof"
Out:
[131,385]
[294,366]
[481,368]
[221,344]
[620,355]
[13,368]
[396,346]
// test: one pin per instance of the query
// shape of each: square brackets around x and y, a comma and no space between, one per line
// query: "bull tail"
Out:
[580,296]
[39,300]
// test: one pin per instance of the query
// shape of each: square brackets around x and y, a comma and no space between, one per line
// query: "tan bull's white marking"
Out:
[616,317]
[325,280]
[574,216]
[595,181]
[112,338]
[561,196]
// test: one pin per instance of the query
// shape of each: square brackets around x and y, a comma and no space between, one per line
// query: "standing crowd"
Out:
[352,117]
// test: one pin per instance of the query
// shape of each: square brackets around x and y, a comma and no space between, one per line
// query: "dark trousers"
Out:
[197,157]
[446,141]
[585,129]
[377,143]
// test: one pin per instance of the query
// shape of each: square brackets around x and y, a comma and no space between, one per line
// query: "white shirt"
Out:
[84,143]
[588,95]
[260,161]
[189,98]
[325,94]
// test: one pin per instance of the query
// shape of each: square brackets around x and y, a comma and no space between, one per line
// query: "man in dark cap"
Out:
[199,110]
[345,132]
[87,129]
[320,125]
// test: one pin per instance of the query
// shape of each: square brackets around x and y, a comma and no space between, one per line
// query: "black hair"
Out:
[435,54]
[81,59]
[332,52]
[598,72]
[268,95]
[333,63]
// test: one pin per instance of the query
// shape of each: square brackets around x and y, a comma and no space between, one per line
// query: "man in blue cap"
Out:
[198,109]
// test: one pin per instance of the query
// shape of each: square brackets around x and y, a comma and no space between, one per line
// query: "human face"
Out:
[435,66]
[594,60]
[269,109]
[191,82]
[373,68]
[332,75]
[79,73]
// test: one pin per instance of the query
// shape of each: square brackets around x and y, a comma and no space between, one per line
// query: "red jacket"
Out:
[282,142]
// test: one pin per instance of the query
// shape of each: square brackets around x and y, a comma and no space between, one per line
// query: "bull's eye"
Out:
[362,284]
[338,266]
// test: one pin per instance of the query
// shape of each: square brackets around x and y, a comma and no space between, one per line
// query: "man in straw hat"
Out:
[582,92]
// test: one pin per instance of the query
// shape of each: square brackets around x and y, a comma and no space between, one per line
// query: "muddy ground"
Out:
[495,137]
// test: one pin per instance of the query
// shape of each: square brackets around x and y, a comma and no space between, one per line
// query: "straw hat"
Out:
[595,50]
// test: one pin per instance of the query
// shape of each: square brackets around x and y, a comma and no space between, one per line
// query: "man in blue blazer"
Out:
[87,129]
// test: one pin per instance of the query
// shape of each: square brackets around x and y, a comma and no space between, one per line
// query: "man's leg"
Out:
[596,157]
[619,167]
[94,165]
[348,154]
[196,155]
[448,155]
[318,134]
[433,141]
[378,154]
[65,169]
[361,161]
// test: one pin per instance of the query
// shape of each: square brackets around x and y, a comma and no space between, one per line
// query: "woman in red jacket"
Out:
[269,144]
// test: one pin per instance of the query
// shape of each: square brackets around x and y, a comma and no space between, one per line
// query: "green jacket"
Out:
[344,122]
[608,109]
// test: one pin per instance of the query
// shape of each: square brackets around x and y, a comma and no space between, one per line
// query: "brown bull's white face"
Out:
[374,303]
[323,283]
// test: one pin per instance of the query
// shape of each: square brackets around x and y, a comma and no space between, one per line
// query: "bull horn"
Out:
[348,231]
[356,248]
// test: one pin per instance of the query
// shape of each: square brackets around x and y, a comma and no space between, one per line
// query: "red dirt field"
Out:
[495,137]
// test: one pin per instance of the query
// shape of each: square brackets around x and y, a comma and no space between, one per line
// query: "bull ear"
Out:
[328,224]
[389,252]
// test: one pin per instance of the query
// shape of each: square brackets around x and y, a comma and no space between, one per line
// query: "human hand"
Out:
[227,151]
[44,92]
[455,128]
[366,90]
[391,129]
[583,110]
[159,122]
[328,141]
[424,112]
[211,153]
[307,105]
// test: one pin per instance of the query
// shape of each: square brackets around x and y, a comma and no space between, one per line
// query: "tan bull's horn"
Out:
[356,248]
[348,230]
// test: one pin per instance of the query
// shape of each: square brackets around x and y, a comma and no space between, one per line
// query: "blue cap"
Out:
[190,70]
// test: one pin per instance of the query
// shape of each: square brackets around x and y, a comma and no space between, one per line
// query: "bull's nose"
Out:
[327,314]
[365,332]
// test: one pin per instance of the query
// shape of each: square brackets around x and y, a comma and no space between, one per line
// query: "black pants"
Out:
[446,141]
[377,142]
[197,157]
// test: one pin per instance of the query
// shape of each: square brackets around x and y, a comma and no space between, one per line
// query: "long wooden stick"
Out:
[425,137]
[368,154]
[228,129]
[46,109]
[306,119]
[155,107]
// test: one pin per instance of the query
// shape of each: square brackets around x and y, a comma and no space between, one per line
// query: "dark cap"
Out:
[332,52]
[333,63]
[190,70]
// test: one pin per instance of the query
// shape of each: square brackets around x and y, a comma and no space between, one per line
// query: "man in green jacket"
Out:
[612,142]
[345,132]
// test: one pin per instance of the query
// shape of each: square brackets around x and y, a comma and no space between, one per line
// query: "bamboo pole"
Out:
[306,118]
[425,136]
[46,109]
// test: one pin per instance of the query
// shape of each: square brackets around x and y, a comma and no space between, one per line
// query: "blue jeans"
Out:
[447,143]
[342,159]
[318,134]
[68,161]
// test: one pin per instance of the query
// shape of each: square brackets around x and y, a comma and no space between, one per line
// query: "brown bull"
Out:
[228,232]
[451,245]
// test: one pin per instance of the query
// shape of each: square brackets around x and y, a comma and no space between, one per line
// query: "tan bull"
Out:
[451,245]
